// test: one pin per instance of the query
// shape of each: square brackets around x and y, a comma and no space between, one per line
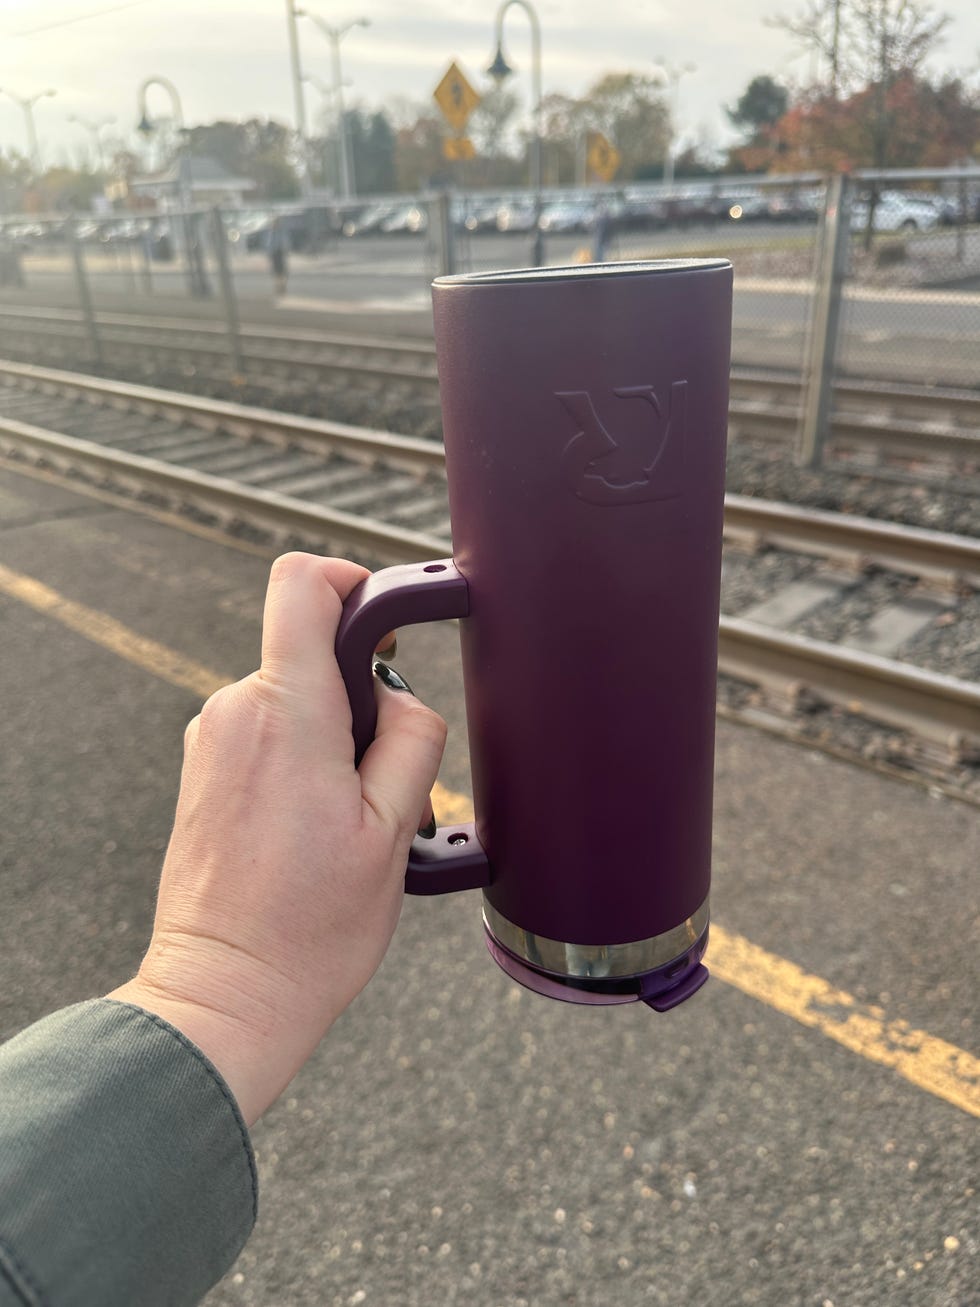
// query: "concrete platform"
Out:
[456,1139]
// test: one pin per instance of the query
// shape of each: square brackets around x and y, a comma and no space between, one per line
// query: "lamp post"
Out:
[27,103]
[672,74]
[197,280]
[328,93]
[299,100]
[95,127]
[334,35]
[499,70]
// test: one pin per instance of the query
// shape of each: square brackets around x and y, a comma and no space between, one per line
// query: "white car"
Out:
[897,212]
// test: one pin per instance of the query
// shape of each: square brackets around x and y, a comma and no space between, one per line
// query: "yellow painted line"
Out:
[157,659]
[112,635]
[932,1064]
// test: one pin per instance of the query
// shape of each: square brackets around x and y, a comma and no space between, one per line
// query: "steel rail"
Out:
[887,403]
[340,531]
[939,556]
[952,560]
[285,428]
[939,709]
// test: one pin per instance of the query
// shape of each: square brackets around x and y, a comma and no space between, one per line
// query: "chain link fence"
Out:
[875,277]
[911,293]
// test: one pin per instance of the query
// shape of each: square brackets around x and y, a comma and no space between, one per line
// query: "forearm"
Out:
[126,1172]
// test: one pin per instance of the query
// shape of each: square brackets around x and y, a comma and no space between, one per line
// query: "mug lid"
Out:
[583,271]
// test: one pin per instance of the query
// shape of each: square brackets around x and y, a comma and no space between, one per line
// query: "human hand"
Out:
[283,880]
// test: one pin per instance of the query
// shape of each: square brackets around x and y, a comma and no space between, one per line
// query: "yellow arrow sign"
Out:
[455,97]
[602,157]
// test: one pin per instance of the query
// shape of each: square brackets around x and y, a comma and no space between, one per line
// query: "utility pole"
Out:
[298,98]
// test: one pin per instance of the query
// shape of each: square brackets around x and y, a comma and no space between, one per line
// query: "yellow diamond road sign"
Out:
[455,97]
[458,148]
[603,158]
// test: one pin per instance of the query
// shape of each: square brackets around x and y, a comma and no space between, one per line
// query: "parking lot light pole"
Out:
[296,70]
[27,103]
[95,128]
[501,69]
[197,281]
[672,74]
[334,35]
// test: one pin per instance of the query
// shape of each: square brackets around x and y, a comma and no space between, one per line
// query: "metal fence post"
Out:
[825,322]
[84,294]
[227,292]
[441,209]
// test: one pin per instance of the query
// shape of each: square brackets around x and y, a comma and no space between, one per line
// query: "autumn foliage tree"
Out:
[910,124]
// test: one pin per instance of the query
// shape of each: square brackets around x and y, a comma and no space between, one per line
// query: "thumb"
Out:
[402,762]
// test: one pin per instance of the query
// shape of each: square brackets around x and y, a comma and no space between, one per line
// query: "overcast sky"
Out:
[229,58]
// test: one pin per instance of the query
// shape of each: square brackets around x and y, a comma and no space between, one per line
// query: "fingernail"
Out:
[390,652]
[388,676]
[428,831]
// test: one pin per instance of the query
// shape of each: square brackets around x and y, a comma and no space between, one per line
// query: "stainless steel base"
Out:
[596,961]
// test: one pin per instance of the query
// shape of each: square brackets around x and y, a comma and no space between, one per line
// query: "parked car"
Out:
[748,208]
[479,217]
[641,212]
[566,215]
[516,216]
[408,218]
[896,211]
[239,226]
[369,219]
[794,206]
[296,226]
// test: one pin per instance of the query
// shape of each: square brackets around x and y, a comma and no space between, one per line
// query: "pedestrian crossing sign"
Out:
[455,97]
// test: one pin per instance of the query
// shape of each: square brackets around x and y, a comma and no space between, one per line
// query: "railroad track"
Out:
[882,595]
[876,429]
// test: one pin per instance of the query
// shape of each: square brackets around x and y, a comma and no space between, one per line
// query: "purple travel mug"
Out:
[585,412]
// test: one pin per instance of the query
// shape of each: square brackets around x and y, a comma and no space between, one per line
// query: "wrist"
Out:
[241,1059]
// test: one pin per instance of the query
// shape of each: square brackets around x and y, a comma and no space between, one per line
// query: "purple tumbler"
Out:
[585,411]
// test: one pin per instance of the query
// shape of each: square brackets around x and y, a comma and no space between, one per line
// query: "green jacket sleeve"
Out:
[126,1171]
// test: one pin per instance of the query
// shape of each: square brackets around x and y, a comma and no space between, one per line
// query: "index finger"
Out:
[303,606]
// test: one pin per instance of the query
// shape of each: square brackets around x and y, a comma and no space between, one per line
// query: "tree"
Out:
[927,126]
[491,120]
[15,175]
[866,42]
[564,127]
[761,104]
[419,161]
[261,149]
[629,109]
[372,145]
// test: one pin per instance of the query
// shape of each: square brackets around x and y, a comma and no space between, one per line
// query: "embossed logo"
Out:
[644,465]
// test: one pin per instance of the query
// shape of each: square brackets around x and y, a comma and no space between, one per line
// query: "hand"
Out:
[283,880]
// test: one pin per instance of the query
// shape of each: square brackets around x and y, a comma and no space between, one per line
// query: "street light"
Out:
[298,97]
[499,70]
[328,93]
[195,269]
[672,74]
[334,36]
[27,103]
[95,127]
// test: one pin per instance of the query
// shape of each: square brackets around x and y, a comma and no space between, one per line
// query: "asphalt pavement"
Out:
[455,1139]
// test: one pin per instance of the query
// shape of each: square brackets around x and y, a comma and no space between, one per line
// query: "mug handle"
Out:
[402,596]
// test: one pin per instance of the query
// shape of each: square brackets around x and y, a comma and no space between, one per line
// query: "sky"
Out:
[230,58]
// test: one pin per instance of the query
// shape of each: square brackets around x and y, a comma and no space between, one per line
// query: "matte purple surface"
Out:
[590,649]
[585,414]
